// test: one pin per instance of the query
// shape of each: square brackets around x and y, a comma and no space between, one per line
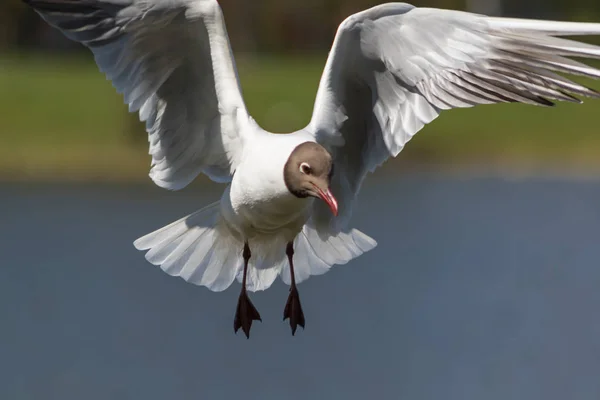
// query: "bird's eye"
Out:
[305,168]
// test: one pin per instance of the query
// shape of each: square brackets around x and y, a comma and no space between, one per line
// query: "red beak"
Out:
[328,198]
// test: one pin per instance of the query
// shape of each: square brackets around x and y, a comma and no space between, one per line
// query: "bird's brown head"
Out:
[308,172]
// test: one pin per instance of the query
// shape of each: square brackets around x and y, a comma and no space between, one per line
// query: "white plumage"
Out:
[392,70]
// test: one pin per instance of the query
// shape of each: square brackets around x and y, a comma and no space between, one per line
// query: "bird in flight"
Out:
[288,201]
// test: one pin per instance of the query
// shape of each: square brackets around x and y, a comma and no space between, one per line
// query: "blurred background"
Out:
[484,285]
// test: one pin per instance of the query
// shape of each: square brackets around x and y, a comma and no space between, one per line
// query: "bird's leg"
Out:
[246,312]
[293,309]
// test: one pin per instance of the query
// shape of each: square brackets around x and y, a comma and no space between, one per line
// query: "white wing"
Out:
[394,67]
[172,61]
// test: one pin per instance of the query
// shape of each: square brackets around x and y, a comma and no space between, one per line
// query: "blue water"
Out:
[479,289]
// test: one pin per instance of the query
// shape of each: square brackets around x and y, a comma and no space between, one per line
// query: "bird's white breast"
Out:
[258,201]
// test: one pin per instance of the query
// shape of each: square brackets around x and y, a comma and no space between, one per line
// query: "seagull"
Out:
[289,198]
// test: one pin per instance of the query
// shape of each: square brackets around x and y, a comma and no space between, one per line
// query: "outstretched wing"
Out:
[394,68]
[172,61]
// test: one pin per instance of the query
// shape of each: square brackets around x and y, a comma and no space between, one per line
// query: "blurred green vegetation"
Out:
[62,119]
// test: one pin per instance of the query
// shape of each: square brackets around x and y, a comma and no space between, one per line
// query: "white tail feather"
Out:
[198,248]
[201,249]
[315,252]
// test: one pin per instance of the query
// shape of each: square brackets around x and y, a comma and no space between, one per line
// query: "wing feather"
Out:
[394,68]
[171,61]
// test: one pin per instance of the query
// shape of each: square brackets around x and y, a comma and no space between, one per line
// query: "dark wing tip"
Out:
[593,93]
[545,102]
[72,6]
